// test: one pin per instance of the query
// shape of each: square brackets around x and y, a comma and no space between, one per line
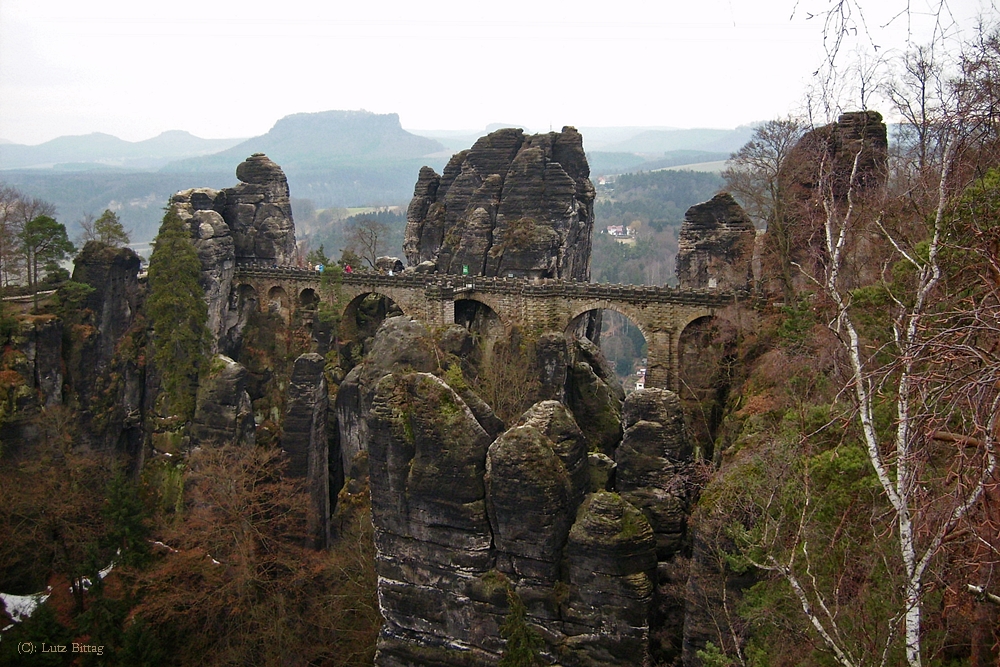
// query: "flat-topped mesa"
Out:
[512,205]
[715,246]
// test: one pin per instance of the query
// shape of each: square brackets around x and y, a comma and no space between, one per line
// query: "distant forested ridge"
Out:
[652,204]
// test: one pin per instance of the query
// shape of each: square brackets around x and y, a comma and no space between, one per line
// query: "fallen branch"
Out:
[982,595]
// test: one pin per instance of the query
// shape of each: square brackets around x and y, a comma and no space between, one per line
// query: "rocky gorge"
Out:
[519,499]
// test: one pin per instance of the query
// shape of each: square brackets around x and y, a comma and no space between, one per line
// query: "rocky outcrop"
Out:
[427,459]
[654,474]
[715,246]
[251,221]
[511,205]
[105,363]
[223,414]
[849,155]
[31,376]
[830,152]
[536,476]
[595,396]
[652,464]
[612,563]
[460,521]
[463,517]
[304,438]
[112,273]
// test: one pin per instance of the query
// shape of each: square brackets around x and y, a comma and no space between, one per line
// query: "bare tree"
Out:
[10,227]
[755,177]
[366,237]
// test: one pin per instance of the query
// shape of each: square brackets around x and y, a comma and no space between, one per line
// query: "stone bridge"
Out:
[534,306]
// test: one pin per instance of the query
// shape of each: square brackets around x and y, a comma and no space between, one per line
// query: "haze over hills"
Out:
[104,150]
[332,158]
[317,140]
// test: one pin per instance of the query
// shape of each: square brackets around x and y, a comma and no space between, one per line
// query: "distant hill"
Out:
[605,164]
[652,142]
[99,150]
[315,141]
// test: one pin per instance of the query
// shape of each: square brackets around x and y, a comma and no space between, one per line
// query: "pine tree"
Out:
[177,309]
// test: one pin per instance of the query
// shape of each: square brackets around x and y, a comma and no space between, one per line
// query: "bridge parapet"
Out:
[522,286]
[661,313]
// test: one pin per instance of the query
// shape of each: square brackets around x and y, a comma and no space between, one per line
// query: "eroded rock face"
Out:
[653,459]
[460,521]
[715,246]
[511,205]
[427,459]
[595,396]
[251,221]
[103,352]
[223,414]
[612,565]
[654,475]
[304,438]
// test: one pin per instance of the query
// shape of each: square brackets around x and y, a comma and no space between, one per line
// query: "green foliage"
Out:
[71,296]
[43,243]
[141,647]
[795,330]
[177,310]
[713,656]
[523,641]
[108,230]
[127,520]
[318,256]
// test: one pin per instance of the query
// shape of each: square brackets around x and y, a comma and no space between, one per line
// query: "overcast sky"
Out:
[225,68]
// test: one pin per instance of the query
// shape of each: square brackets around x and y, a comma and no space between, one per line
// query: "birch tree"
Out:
[937,369]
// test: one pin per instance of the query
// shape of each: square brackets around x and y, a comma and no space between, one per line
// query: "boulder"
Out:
[611,558]
[653,464]
[104,363]
[595,396]
[427,461]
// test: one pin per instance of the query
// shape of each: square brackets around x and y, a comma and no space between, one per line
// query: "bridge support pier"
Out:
[661,360]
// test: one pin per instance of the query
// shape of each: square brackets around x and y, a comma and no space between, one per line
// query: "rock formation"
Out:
[304,439]
[462,518]
[822,164]
[223,414]
[511,205]
[104,363]
[715,246]
[250,222]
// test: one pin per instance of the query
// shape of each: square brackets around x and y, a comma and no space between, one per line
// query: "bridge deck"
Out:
[543,287]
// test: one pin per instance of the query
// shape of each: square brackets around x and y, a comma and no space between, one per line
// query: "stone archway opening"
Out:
[308,299]
[483,323]
[621,341]
[278,303]
[361,319]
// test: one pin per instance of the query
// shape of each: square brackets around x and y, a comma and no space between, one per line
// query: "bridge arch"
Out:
[634,316]
[623,342]
[308,299]
[479,307]
[279,303]
[245,293]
